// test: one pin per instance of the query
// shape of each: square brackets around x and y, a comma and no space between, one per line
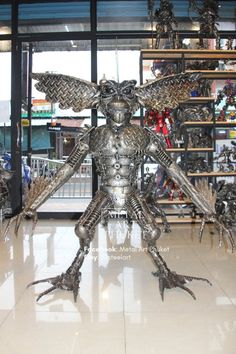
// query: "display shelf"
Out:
[215,74]
[211,174]
[200,149]
[181,58]
[181,220]
[198,123]
[175,149]
[174,201]
[226,124]
[187,54]
[189,149]
[200,99]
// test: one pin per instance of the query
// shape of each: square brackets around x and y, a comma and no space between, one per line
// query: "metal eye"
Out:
[128,91]
[107,90]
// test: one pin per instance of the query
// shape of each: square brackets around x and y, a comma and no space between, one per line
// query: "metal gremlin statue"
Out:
[118,149]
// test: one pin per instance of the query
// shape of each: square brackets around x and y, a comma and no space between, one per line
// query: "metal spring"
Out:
[135,206]
[163,158]
[93,218]
[75,157]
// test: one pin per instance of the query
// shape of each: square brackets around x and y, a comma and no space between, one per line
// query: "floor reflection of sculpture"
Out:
[118,149]
[208,15]
[226,159]
[165,20]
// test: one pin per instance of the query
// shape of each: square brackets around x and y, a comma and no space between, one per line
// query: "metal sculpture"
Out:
[199,138]
[165,20]
[229,94]
[118,149]
[5,176]
[208,15]
[226,202]
[198,164]
[222,197]
[198,113]
[226,159]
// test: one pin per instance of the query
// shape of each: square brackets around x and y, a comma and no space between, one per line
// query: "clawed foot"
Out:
[64,281]
[169,280]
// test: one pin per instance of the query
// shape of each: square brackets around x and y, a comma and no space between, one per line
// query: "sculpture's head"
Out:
[118,101]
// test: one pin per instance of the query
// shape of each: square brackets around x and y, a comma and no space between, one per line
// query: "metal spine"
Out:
[134,206]
[77,155]
[163,158]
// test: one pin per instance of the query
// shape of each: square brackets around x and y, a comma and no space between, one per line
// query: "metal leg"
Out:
[84,229]
[167,279]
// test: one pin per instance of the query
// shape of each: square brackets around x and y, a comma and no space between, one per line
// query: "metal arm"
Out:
[71,165]
[157,151]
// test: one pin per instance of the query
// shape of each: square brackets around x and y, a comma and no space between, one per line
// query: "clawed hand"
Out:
[221,227]
[32,214]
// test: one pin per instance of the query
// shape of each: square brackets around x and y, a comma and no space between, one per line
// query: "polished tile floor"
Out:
[119,309]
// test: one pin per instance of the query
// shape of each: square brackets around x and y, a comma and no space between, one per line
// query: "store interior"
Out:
[175,203]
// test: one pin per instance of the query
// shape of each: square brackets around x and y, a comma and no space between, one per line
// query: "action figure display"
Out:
[226,202]
[198,113]
[199,138]
[197,165]
[162,123]
[118,149]
[225,157]
[161,68]
[172,190]
[229,94]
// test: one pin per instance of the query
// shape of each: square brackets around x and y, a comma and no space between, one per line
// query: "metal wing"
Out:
[167,92]
[69,91]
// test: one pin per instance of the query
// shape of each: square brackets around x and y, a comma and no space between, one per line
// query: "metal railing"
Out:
[78,186]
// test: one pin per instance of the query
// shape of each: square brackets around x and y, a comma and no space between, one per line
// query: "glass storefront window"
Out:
[54,57]
[5,19]
[54,17]
[122,15]
[5,96]
[52,147]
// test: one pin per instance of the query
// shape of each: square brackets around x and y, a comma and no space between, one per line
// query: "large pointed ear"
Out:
[168,91]
[68,91]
